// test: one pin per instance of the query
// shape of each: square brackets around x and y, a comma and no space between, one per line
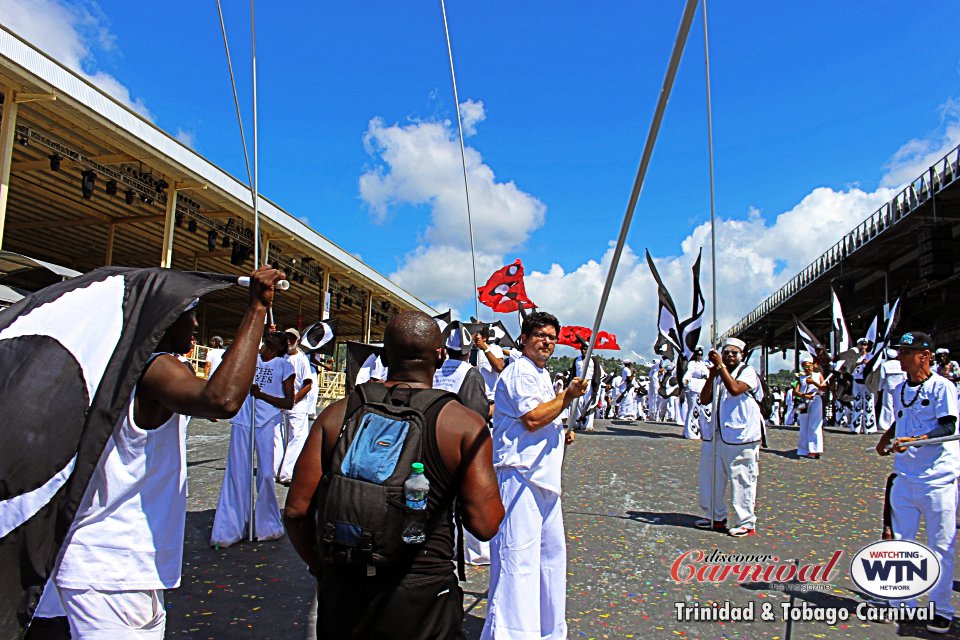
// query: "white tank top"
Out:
[128,531]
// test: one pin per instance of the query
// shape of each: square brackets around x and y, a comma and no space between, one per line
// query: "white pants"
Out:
[298,428]
[109,615]
[711,482]
[691,421]
[653,404]
[587,402]
[810,438]
[738,464]
[673,409]
[528,565]
[938,506]
[886,410]
[864,419]
[233,508]
[628,406]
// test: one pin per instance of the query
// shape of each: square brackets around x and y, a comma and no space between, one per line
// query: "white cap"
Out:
[734,342]
[941,350]
[459,339]
[806,357]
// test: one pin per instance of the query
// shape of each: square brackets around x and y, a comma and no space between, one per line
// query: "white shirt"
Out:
[450,375]
[372,368]
[128,531]
[696,376]
[537,455]
[214,356]
[891,375]
[269,377]
[301,369]
[739,416]
[490,376]
[934,399]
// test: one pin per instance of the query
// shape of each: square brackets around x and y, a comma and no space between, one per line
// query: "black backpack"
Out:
[360,504]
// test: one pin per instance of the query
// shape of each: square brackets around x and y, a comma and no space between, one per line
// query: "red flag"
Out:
[571,335]
[504,291]
[607,340]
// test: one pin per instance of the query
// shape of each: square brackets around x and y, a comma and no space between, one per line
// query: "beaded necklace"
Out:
[907,405]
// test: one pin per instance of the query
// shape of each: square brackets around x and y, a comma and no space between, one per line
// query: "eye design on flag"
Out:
[504,291]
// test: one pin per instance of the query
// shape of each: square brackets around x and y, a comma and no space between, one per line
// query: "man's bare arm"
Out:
[286,402]
[549,411]
[304,390]
[298,512]
[467,451]
[168,387]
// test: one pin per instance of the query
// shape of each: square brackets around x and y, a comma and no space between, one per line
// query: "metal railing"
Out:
[940,175]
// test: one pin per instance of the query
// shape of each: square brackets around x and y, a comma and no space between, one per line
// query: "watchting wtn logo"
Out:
[895,569]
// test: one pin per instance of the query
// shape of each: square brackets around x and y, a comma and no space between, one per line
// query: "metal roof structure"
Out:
[906,248]
[154,202]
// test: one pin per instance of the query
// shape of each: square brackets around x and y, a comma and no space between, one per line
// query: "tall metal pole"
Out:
[251,531]
[713,223]
[463,159]
[688,13]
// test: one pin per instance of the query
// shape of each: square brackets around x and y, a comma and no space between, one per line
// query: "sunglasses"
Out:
[730,352]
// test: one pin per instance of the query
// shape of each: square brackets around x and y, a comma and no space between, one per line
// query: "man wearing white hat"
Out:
[653,395]
[456,374]
[735,439]
[864,418]
[891,377]
[296,421]
[626,395]
[694,378]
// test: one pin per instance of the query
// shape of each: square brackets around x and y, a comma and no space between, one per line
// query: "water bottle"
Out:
[415,491]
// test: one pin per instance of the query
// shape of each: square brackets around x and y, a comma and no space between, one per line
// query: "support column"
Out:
[8,130]
[166,258]
[111,233]
[265,255]
[367,310]
[325,295]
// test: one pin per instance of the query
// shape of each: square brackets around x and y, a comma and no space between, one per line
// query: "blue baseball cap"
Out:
[915,340]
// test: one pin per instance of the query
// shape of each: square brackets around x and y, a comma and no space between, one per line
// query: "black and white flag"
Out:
[668,321]
[841,332]
[72,354]
[690,328]
[320,337]
[810,341]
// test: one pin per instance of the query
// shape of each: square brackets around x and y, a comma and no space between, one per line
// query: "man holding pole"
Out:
[925,407]
[528,556]
[734,450]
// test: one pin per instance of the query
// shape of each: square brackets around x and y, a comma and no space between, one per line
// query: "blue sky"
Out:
[820,109]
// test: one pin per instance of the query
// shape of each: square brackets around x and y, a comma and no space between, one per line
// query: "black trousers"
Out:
[416,607]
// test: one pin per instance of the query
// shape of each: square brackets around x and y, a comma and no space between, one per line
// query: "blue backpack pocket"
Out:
[374,453]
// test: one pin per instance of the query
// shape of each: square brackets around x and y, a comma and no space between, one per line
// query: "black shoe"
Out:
[940,624]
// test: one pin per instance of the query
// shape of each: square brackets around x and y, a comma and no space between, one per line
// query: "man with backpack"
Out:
[346,514]
[732,442]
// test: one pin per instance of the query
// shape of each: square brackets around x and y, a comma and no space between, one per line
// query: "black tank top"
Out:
[435,555]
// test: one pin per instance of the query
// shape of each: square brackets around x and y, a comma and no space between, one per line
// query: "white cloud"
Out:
[187,138]
[471,113]
[419,165]
[71,33]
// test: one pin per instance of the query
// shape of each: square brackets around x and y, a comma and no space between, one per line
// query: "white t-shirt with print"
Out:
[269,377]
[739,416]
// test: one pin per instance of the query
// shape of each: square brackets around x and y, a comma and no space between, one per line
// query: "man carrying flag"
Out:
[125,544]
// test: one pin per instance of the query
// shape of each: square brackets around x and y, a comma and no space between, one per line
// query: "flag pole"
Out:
[251,531]
[463,159]
[713,224]
[713,262]
[688,14]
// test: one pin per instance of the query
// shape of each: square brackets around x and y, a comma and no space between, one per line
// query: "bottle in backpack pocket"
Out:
[415,491]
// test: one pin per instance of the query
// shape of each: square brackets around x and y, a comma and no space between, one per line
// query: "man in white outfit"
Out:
[925,486]
[528,567]
[694,378]
[864,417]
[653,395]
[296,420]
[587,406]
[272,391]
[736,439]
[125,545]
[891,376]
[626,393]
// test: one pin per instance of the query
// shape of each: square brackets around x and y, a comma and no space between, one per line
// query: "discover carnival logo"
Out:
[895,569]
